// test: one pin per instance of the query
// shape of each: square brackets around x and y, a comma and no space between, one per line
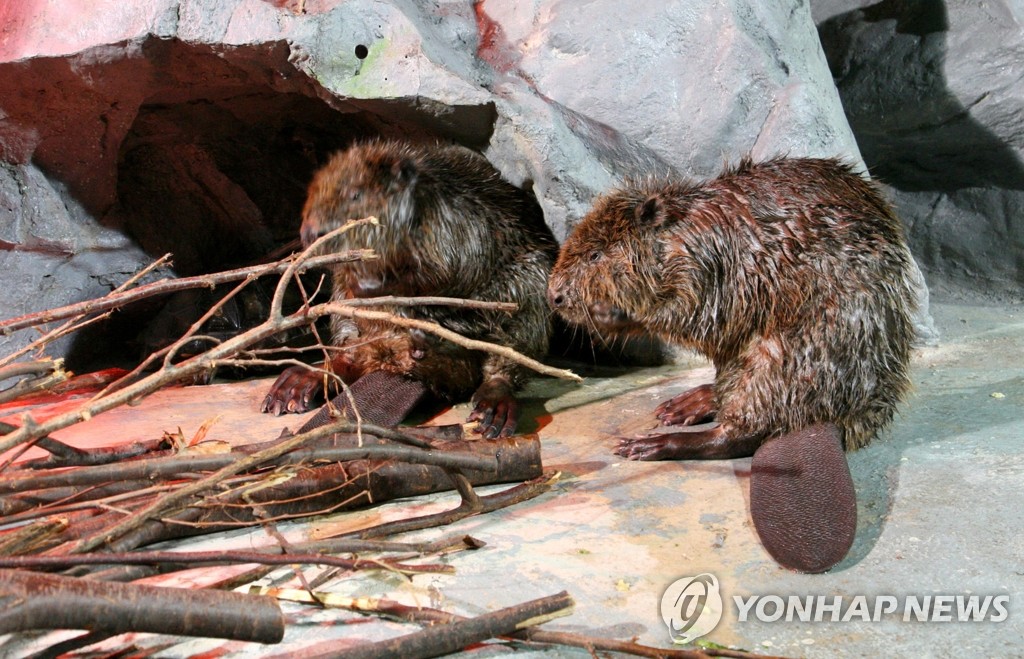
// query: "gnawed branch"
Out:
[358,481]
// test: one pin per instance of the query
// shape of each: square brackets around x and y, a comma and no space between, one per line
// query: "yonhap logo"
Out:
[691,607]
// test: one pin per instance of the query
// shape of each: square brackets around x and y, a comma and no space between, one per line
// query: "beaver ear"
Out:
[650,211]
[402,179]
[403,173]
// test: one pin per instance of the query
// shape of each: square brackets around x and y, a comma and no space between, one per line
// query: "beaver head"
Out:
[374,178]
[620,265]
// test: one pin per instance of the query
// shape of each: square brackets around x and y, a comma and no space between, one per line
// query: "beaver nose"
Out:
[556,297]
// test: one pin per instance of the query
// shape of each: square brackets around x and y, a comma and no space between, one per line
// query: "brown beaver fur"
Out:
[791,275]
[449,226]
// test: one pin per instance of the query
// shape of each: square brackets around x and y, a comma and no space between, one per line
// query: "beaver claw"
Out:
[496,409]
[296,390]
[691,407]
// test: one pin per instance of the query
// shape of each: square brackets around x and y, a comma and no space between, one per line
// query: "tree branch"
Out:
[183,560]
[445,639]
[46,601]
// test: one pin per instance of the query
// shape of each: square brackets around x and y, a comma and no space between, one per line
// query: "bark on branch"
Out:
[445,639]
[44,601]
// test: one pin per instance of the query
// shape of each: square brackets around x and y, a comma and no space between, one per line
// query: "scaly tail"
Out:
[382,398]
[802,498]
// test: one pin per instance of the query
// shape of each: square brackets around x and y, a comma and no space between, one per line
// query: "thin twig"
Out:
[293,268]
[171,351]
[37,367]
[77,323]
[199,363]
[66,329]
[441,546]
[353,311]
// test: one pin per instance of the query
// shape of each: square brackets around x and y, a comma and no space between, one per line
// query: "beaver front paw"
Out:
[691,407]
[496,409]
[296,390]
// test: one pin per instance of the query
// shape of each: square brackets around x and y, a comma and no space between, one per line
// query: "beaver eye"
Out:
[595,256]
[355,195]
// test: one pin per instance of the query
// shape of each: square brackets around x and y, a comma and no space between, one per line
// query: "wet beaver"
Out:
[449,226]
[793,277]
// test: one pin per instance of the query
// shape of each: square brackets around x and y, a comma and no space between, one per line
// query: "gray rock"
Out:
[933,92]
[52,253]
[970,239]
[610,89]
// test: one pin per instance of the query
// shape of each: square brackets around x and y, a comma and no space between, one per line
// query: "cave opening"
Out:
[215,173]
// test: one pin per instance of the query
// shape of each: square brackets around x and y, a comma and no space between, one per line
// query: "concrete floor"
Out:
[939,496]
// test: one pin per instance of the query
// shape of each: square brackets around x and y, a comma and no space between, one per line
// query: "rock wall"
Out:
[933,91]
[193,126]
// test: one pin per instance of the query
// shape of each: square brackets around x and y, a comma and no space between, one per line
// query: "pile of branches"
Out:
[76,522]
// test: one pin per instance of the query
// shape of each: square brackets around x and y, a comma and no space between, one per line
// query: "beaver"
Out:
[450,226]
[792,276]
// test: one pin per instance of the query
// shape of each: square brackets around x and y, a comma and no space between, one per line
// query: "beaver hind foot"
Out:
[710,444]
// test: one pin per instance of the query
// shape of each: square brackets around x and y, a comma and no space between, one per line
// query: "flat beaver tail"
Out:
[802,498]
